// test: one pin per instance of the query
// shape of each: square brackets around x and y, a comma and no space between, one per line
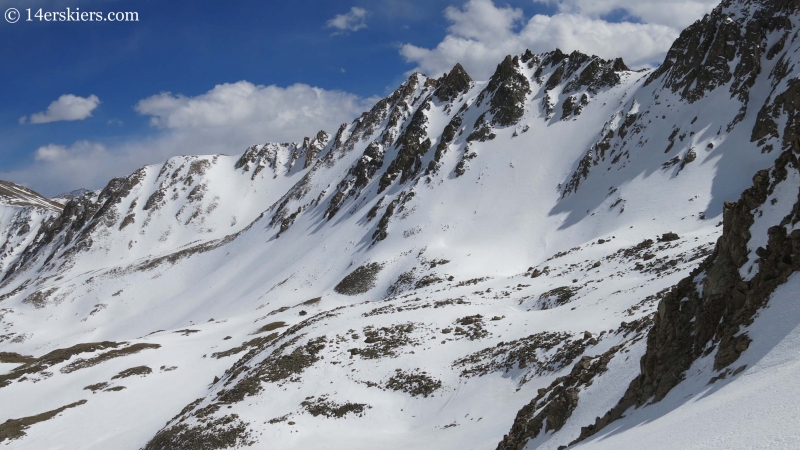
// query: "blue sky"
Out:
[353,51]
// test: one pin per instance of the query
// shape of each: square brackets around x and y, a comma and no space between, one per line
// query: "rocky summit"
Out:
[570,254]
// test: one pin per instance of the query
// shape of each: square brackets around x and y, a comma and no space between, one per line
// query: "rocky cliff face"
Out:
[709,312]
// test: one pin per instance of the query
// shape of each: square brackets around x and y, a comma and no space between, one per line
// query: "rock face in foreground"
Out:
[708,312]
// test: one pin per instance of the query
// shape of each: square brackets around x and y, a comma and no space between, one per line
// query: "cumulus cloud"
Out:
[481,34]
[67,107]
[482,21]
[51,152]
[57,168]
[353,20]
[226,119]
[674,13]
[253,112]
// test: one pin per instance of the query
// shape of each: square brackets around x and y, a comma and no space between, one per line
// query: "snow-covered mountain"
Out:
[15,195]
[67,196]
[551,257]
[22,213]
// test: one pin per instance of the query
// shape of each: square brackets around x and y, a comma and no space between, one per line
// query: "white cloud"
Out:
[353,20]
[674,13]
[60,154]
[57,169]
[226,119]
[481,34]
[483,21]
[67,107]
[51,152]
[254,112]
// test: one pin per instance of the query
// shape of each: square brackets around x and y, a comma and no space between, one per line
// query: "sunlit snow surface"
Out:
[469,242]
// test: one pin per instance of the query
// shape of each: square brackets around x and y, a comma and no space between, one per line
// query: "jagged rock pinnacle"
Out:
[454,83]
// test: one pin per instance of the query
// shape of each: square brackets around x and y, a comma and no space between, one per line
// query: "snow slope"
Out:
[469,264]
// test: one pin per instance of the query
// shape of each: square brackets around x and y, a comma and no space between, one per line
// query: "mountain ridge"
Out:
[508,249]
[15,195]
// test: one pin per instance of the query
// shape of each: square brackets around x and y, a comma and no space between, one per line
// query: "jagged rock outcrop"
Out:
[357,178]
[709,311]
[509,89]
[385,124]
[80,217]
[723,55]
[785,104]
[703,57]
[577,71]
[447,137]
[580,76]
[401,105]
[313,147]
[453,84]
[273,156]
[550,410]
[413,144]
